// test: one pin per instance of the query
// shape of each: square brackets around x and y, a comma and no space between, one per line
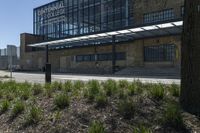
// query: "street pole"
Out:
[10,62]
[48,67]
[113,54]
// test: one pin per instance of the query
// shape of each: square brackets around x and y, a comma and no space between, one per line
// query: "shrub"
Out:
[101,100]
[61,101]
[142,129]
[123,84]
[110,87]
[68,86]
[127,108]
[96,127]
[157,91]
[17,109]
[175,90]
[37,89]
[172,116]
[5,106]
[93,89]
[34,115]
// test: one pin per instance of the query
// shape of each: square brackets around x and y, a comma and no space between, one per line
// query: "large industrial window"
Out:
[159,53]
[159,16]
[100,57]
[81,58]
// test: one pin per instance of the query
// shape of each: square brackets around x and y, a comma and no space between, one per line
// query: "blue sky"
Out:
[16,16]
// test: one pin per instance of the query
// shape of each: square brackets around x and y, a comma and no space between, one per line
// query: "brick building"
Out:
[97,36]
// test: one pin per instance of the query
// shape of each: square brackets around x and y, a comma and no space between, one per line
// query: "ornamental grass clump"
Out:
[122,93]
[93,89]
[132,89]
[78,85]
[96,127]
[157,91]
[48,90]
[1,94]
[172,116]
[34,115]
[61,101]
[175,90]
[142,129]
[56,86]
[68,86]
[37,89]
[127,108]
[17,109]
[123,84]
[25,93]
[101,100]
[110,87]
[4,106]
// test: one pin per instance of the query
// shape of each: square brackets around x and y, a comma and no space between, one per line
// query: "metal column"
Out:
[113,54]
[48,67]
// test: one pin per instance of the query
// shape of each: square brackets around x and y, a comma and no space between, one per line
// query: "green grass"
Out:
[157,91]
[56,86]
[127,108]
[61,101]
[101,100]
[96,127]
[93,89]
[34,115]
[37,89]
[132,89]
[4,106]
[48,90]
[110,87]
[172,116]
[17,109]
[68,86]
[78,85]
[142,129]
[123,84]
[175,90]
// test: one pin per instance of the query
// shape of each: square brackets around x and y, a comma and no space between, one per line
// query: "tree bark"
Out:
[190,66]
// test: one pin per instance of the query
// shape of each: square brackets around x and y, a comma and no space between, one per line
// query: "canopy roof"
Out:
[162,29]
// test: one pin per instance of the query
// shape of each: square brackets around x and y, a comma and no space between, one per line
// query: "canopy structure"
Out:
[162,29]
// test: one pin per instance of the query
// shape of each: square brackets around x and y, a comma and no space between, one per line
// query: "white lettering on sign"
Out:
[56,10]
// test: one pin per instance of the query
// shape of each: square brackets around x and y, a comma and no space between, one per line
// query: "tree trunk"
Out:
[190,79]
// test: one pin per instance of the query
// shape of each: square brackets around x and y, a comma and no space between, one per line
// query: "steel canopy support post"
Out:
[113,54]
[48,67]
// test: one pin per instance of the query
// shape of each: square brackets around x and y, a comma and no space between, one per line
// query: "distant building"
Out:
[11,53]
[11,50]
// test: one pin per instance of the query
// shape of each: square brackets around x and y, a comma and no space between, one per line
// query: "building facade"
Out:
[76,20]
[9,55]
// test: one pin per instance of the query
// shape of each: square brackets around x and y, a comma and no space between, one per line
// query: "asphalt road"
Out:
[39,78]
